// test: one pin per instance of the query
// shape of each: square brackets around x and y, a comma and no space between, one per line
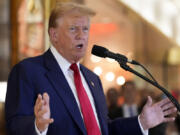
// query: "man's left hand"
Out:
[155,114]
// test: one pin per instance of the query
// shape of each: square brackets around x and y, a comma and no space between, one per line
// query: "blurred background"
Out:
[147,31]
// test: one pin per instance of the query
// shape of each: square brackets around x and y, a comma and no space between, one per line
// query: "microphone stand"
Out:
[127,68]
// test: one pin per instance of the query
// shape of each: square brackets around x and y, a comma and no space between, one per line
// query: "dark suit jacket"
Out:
[42,74]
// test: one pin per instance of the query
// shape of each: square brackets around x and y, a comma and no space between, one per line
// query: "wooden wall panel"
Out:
[14,4]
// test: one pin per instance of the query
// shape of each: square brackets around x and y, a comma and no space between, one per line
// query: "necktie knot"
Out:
[74,68]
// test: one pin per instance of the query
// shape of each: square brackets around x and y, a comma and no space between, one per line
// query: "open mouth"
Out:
[79,46]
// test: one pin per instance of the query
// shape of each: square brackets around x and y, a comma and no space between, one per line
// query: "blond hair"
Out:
[69,7]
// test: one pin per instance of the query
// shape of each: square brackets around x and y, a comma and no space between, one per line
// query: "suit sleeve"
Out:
[19,104]
[124,126]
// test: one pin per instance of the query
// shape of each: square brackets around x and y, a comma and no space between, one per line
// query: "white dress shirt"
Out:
[68,73]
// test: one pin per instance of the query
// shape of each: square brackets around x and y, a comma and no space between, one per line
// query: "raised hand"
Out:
[155,114]
[42,112]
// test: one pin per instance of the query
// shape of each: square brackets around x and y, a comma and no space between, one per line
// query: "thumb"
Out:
[149,101]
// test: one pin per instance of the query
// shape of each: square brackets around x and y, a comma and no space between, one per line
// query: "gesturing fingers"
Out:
[39,98]
[42,105]
[170,111]
[46,99]
[38,104]
[167,106]
[163,102]
[170,119]
[42,112]
[42,101]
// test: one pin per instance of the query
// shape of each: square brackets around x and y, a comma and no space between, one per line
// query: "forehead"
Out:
[74,19]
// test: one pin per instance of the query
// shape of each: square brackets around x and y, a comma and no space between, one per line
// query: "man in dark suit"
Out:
[129,108]
[53,94]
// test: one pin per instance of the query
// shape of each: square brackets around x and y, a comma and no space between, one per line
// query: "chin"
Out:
[78,58]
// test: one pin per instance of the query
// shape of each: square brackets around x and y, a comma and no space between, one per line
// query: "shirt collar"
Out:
[62,62]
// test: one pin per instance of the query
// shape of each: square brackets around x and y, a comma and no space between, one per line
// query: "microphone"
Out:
[103,52]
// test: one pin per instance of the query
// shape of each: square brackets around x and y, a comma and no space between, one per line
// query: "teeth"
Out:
[80,46]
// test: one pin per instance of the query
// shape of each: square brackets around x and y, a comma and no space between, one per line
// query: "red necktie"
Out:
[86,108]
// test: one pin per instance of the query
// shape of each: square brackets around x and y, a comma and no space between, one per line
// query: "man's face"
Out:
[71,36]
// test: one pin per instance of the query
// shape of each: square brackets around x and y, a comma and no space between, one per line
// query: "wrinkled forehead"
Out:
[74,18]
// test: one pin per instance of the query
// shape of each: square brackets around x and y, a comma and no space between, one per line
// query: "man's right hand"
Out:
[42,112]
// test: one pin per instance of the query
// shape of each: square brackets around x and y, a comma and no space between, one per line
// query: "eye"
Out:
[72,29]
[86,29]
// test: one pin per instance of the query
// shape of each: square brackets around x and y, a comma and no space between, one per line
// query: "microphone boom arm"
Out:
[127,68]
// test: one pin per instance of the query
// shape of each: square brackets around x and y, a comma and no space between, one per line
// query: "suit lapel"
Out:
[96,92]
[57,79]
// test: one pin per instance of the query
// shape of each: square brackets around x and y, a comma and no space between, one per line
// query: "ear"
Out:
[53,34]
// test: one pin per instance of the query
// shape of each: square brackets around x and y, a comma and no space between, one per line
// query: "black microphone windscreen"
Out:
[99,51]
